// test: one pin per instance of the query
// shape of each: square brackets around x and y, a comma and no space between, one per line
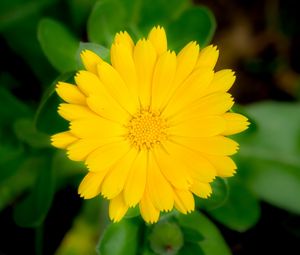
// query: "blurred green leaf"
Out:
[31,211]
[159,12]
[194,24]
[191,235]
[191,249]
[12,12]
[132,212]
[13,109]
[26,132]
[166,238]
[58,44]
[96,48]
[218,197]
[241,210]
[15,185]
[47,119]
[107,18]
[120,238]
[11,157]
[213,243]
[269,157]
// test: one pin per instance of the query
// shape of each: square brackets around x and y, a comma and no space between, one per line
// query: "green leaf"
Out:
[132,212]
[120,238]
[58,44]
[47,119]
[219,195]
[191,249]
[31,211]
[166,238]
[194,24]
[107,18]
[213,243]
[14,186]
[26,132]
[160,12]
[269,159]
[191,235]
[96,48]
[11,157]
[241,210]
[13,109]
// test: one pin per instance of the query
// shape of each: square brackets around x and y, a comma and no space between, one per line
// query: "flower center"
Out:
[146,129]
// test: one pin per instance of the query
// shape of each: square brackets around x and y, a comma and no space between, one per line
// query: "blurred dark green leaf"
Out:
[132,212]
[191,249]
[194,24]
[47,119]
[58,44]
[241,211]
[11,157]
[159,12]
[213,243]
[31,211]
[96,48]
[269,158]
[21,180]
[107,18]
[13,109]
[191,235]
[26,132]
[120,238]
[166,238]
[218,197]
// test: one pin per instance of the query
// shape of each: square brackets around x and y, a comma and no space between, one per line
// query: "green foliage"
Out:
[241,210]
[120,238]
[58,44]
[269,157]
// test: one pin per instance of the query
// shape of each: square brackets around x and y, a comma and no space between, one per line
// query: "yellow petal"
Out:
[90,185]
[158,38]
[161,192]
[222,81]
[163,77]
[115,180]
[148,211]
[75,111]
[89,83]
[199,168]
[106,156]
[70,93]
[117,208]
[217,145]
[235,123]
[90,60]
[201,189]
[79,150]
[135,184]
[125,39]
[191,90]
[144,56]
[225,166]
[186,61]
[116,87]
[208,57]
[122,61]
[214,104]
[204,126]
[63,139]
[173,170]
[96,128]
[184,201]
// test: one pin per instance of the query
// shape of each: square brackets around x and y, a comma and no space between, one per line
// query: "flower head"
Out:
[151,126]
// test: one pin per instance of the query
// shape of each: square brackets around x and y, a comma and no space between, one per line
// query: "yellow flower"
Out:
[151,125]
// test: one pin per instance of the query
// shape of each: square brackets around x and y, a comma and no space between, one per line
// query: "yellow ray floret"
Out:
[151,126]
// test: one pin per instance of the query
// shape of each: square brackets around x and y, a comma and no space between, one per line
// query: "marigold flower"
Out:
[151,125]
